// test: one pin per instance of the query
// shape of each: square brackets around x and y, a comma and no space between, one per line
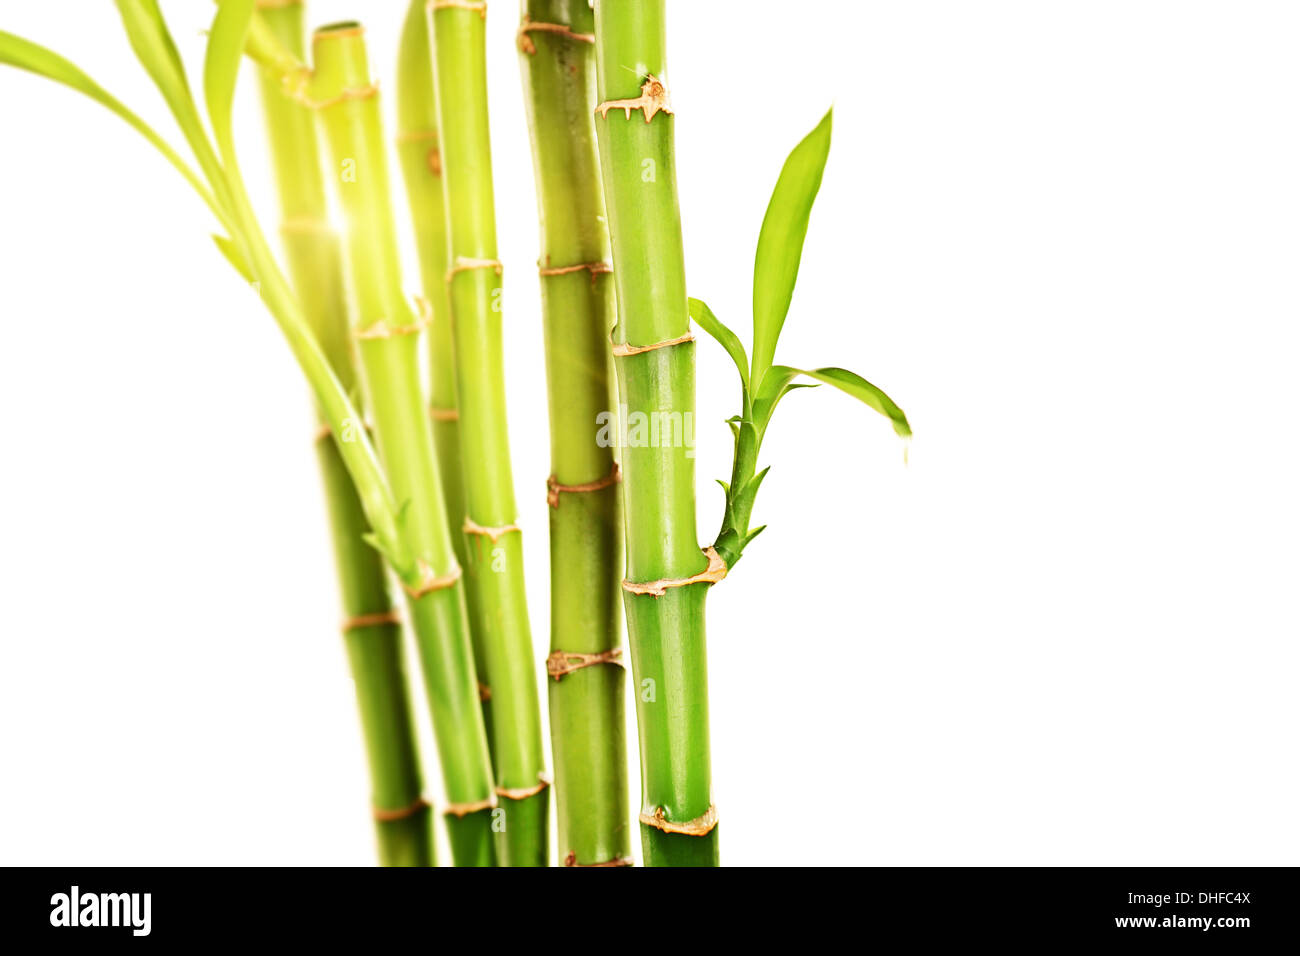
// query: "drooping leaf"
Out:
[853,384]
[780,242]
[34,58]
[705,319]
[221,68]
[777,383]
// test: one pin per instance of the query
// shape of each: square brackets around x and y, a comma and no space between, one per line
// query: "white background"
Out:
[1063,236]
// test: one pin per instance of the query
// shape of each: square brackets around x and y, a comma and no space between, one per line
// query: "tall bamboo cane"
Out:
[667,574]
[371,630]
[387,330]
[557,57]
[495,566]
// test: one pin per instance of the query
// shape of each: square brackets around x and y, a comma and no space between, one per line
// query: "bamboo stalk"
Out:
[420,156]
[557,57]
[494,545]
[371,632]
[387,332]
[666,616]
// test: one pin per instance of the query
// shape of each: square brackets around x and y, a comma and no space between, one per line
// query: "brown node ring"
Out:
[523,793]
[571,859]
[715,572]
[383,329]
[595,268]
[560,663]
[401,813]
[623,350]
[430,582]
[554,489]
[444,414]
[700,826]
[653,99]
[465,264]
[371,620]
[473,527]
[527,26]
[459,810]
[484,691]
[478,5]
[277,4]
[298,90]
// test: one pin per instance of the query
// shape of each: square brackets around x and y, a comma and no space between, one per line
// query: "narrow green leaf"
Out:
[776,382]
[156,51]
[728,339]
[236,258]
[34,58]
[221,68]
[853,384]
[780,242]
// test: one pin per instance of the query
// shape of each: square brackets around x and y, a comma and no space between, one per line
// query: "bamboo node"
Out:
[560,663]
[623,350]
[492,532]
[297,88]
[715,572]
[554,489]
[444,414]
[430,582]
[401,813]
[276,4]
[484,691]
[383,329]
[571,859]
[371,620]
[653,99]
[523,793]
[478,5]
[466,263]
[595,268]
[527,26]
[700,826]
[459,810]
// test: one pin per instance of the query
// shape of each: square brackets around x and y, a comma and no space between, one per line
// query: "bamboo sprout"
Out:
[655,361]
[586,695]
[371,631]
[387,330]
[495,567]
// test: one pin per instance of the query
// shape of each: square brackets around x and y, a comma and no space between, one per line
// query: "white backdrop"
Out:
[1062,235]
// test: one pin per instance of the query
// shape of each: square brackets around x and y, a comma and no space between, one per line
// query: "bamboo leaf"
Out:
[232,255]
[777,381]
[705,319]
[780,241]
[156,51]
[34,58]
[853,384]
[221,68]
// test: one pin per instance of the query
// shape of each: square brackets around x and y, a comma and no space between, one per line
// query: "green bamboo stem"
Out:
[557,58]
[495,548]
[666,632]
[421,161]
[386,327]
[371,633]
